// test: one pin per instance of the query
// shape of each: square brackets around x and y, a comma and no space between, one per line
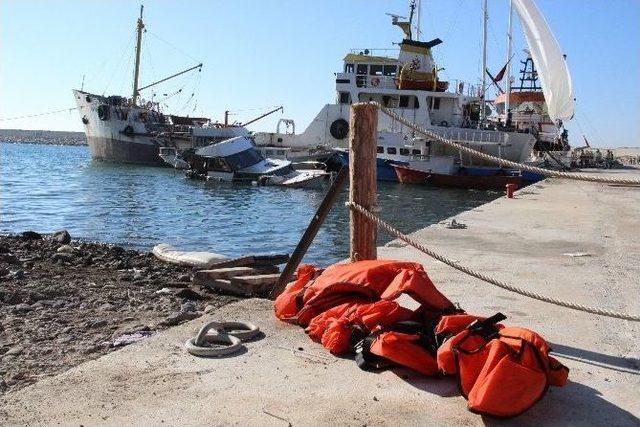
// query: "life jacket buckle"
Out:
[486,328]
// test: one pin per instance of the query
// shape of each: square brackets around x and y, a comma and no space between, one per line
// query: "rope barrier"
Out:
[394,232]
[504,162]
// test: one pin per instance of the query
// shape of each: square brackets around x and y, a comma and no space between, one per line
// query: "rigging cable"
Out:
[38,115]
[120,63]
[172,46]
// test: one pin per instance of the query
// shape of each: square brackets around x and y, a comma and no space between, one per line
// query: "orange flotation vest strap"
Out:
[402,344]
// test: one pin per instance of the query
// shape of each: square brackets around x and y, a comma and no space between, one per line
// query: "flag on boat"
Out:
[550,62]
[500,74]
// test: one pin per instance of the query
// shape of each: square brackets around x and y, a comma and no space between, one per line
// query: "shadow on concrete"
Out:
[441,386]
[606,361]
[573,404]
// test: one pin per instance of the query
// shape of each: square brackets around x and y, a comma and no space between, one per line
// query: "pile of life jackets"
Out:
[352,309]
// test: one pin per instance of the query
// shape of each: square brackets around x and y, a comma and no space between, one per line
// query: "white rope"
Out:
[504,162]
[394,232]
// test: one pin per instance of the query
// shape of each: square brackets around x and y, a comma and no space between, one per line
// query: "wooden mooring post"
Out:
[362,179]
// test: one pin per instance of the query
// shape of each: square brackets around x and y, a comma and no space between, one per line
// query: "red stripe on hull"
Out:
[495,182]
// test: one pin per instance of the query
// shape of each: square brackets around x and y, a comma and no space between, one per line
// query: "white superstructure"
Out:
[410,86]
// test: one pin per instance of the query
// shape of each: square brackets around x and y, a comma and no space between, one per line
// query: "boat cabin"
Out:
[236,159]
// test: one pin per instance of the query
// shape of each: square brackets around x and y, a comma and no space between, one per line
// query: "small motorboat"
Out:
[237,160]
[171,157]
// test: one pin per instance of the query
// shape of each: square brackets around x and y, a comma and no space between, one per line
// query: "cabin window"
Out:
[243,159]
[389,70]
[375,70]
[361,69]
[348,68]
[404,151]
[218,164]
[345,98]
[390,101]
[415,152]
[434,103]
[380,149]
[408,102]
[391,150]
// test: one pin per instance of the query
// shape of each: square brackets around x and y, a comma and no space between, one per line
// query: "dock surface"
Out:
[570,240]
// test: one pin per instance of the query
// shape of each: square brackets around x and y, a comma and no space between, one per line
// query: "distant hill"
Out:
[52,137]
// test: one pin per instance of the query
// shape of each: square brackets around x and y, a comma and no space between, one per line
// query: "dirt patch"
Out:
[63,303]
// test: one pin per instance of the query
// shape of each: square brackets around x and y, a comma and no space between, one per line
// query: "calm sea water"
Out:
[47,188]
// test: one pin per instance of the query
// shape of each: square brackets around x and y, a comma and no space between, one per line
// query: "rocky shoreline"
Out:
[46,137]
[63,302]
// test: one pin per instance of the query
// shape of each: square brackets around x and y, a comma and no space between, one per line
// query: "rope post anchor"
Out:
[362,179]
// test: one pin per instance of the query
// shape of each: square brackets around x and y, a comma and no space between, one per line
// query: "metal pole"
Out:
[507,105]
[483,100]
[137,68]
[170,77]
[418,19]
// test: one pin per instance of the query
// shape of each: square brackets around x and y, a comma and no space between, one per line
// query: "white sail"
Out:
[548,59]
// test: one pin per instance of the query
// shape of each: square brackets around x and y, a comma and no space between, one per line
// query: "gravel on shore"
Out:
[64,302]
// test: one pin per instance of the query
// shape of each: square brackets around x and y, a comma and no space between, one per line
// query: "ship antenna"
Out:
[137,67]
[412,7]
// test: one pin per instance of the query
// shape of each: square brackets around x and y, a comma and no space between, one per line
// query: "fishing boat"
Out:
[237,160]
[132,130]
[539,112]
[408,84]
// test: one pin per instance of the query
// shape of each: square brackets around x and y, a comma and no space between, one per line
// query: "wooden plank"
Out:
[203,276]
[261,284]
[260,279]
[311,231]
[270,259]
[243,261]
[362,179]
[250,261]
[245,286]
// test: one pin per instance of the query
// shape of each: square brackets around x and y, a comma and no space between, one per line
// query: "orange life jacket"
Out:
[502,371]
[345,303]
[358,282]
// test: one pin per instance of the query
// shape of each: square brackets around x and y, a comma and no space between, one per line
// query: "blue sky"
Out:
[259,54]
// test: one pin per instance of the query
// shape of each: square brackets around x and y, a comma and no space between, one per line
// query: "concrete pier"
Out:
[570,240]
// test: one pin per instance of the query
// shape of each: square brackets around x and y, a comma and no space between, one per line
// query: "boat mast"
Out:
[418,19]
[507,106]
[137,67]
[412,8]
[483,100]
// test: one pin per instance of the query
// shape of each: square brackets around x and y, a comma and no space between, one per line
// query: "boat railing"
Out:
[373,51]
[473,135]
[381,81]
[462,87]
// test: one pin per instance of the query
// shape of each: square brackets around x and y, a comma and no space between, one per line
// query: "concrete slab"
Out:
[522,240]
